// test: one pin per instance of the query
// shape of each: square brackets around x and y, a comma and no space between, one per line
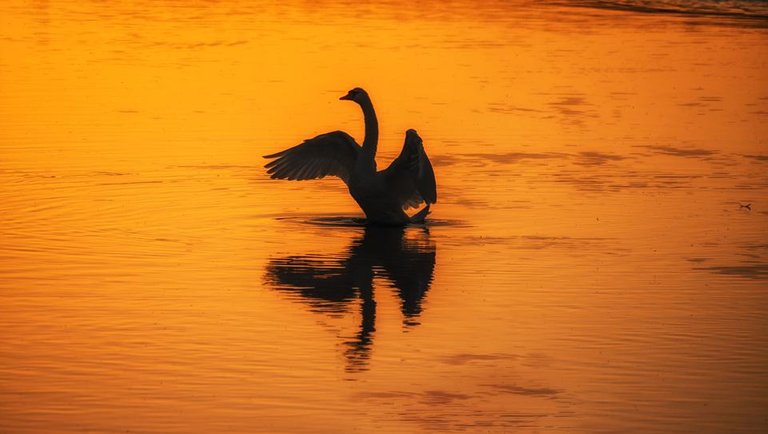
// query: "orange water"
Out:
[588,267]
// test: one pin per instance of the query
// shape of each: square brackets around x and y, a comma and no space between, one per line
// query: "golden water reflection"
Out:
[590,266]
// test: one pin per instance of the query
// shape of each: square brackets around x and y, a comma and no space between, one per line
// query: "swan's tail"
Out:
[420,216]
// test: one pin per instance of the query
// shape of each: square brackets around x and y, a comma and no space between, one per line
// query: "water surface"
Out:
[591,265]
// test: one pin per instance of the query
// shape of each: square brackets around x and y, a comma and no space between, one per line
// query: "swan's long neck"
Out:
[371,128]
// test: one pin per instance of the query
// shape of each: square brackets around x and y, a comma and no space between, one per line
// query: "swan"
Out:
[384,195]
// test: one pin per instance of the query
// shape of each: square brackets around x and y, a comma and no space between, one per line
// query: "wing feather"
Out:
[410,176]
[330,154]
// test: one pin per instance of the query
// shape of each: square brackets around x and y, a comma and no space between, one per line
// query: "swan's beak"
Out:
[348,96]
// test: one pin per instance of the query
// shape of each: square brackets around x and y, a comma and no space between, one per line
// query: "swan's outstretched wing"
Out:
[410,176]
[327,154]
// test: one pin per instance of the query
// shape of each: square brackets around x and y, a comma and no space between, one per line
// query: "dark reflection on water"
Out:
[741,12]
[750,271]
[330,284]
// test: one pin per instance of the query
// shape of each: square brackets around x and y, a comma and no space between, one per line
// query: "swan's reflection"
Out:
[404,257]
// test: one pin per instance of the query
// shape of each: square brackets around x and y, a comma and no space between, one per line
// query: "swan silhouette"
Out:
[384,195]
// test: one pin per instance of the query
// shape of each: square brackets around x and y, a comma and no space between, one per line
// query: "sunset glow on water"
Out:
[597,260]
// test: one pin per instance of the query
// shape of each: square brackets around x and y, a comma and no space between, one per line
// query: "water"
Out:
[591,265]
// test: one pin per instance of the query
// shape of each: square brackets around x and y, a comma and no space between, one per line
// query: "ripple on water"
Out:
[359,222]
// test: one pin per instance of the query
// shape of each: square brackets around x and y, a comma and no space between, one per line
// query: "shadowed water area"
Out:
[597,260]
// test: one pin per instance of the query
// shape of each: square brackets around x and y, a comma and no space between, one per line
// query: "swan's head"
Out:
[357,95]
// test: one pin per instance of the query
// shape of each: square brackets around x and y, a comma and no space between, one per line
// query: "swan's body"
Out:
[383,196]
